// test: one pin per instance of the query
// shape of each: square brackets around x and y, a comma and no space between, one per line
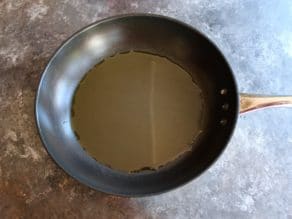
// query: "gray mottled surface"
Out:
[252,179]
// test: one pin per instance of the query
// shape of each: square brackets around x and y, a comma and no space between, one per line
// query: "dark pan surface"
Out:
[149,33]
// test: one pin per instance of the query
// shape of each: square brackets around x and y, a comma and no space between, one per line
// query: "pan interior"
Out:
[137,111]
[151,34]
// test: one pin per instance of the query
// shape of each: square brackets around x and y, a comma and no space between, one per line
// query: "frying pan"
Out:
[156,34]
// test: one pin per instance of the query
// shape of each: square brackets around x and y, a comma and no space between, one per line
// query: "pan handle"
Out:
[250,102]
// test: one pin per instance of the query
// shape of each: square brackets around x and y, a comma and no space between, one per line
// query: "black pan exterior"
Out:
[140,32]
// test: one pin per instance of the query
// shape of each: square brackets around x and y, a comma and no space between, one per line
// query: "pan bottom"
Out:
[137,111]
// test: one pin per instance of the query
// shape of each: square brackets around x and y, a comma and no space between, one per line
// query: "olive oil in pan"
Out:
[137,110]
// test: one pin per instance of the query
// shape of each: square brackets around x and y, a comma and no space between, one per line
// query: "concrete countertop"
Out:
[252,179]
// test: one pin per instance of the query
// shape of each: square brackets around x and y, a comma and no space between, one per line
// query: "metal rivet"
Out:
[223,91]
[223,122]
[225,106]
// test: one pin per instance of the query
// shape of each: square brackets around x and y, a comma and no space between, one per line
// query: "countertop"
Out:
[253,177]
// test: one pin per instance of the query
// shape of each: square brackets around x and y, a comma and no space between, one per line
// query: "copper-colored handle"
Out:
[249,102]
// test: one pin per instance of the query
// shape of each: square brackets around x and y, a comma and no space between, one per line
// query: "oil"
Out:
[136,111]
